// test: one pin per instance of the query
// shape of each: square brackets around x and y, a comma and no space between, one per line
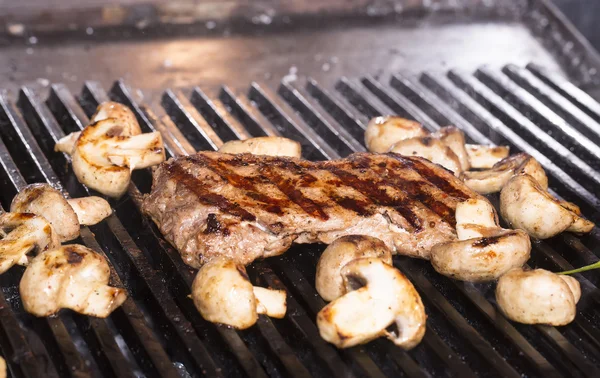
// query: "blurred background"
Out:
[585,15]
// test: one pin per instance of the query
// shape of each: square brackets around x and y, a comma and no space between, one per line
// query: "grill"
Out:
[159,333]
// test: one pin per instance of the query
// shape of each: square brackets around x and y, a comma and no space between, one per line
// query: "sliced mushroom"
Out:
[525,205]
[431,149]
[223,294]
[484,157]
[492,180]
[65,215]
[538,297]
[378,295]
[104,156]
[329,282]
[66,144]
[383,132]
[2,368]
[455,139]
[271,145]
[73,277]
[484,251]
[23,233]
[122,115]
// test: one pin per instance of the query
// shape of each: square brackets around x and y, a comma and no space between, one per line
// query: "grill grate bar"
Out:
[567,89]
[540,115]
[537,138]
[214,112]
[255,123]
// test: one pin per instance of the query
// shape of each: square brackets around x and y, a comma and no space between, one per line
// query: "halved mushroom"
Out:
[329,282]
[104,156]
[538,297]
[378,296]
[431,149]
[2,368]
[223,294]
[454,138]
[525,205]
[23,233]
[270,145]
[482,156]
[64,215]
[122,115]
[484,251]
[383,132]
[492,180]
[73,277]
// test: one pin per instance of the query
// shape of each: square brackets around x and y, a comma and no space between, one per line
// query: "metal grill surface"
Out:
[158,332]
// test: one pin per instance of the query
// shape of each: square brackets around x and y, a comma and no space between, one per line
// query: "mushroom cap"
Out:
[44,200]
[122,115]
[93,168]
[269,145]
[482,259]
[538,297]
[223,294]
[524,204]
[329,280]
[430,148]
[482,156]
[494,179]
[454,138]
[72,276]
[383,132]
[378,295]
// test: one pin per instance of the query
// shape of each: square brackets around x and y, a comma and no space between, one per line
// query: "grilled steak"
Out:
[246,206]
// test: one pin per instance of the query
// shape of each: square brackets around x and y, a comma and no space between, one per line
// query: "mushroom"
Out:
[492,180]
[223,294]
[23,233]
[2,368]
[483,251]
[524,204]
[329,282]
[73,277]
[105,154]
[431,149]
[538,297]
[378,296]
[484,157]
[122,115]
[383,132]
[454,138]
[270,145]
[64,215]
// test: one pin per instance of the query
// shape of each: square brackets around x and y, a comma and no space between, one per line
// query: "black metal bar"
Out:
[241,108]
[289,124]
[221,121]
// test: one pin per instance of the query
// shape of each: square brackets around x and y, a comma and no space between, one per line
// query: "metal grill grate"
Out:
[158,332]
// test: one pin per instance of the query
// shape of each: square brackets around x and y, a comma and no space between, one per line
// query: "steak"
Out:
[246,207]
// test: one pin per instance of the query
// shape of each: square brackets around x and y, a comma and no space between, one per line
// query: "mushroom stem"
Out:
[270,302]
[135,152]
[67,144]
[90,210]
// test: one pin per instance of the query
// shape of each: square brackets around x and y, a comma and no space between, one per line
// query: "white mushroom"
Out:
[431,149]
[223,294]
[383,132]
[538,297]
[64,215]
[492,180]
[329,282]
[378,296]
[73,277]
[23,233]
[454,138]
[484,251]
[2,368]
[525,205]
[104,156]
[484,157]
[122,115]
[271,145]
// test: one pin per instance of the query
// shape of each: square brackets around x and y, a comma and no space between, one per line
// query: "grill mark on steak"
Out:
[430,175]
[378,195]
[272,205]
[204,195]
[414,188]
